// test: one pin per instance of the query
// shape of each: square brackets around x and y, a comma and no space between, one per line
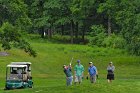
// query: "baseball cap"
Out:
[90,63]
[78,61]
[64,66]
[110,63]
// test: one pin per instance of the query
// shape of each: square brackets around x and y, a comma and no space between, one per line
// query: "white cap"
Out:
[90,63]
[110,63]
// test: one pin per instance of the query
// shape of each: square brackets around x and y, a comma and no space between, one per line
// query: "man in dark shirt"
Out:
[68,73]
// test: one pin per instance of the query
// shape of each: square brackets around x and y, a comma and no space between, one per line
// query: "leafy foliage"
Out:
[97,35]
[78,17]
[114,41]
[10,37]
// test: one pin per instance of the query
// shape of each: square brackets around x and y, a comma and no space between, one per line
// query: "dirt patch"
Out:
[4,54]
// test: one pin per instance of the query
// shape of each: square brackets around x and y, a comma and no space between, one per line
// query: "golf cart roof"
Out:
[20,63]
[17,66]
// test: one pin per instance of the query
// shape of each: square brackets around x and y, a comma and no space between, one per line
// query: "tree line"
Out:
[107,23]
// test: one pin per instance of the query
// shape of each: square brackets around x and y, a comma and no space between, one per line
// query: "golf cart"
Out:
[17,77]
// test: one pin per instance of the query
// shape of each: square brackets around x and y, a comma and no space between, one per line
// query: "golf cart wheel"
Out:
[31,86]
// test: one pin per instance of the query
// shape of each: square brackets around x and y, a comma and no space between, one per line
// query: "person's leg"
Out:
[76,80]
[71,79]
[80,79]
[91,79]
[108,80]
[67,82]
[94,79]
[111,77]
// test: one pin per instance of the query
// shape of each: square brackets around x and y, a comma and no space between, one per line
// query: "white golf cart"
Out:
[17,76]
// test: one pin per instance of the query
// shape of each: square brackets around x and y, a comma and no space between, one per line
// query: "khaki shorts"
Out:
[78,79]
[93,79]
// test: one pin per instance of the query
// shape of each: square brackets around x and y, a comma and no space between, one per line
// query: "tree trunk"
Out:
[77,29]
[84,30]
[62,30]
[109,25]
[72,31]
[50,33]
[83,34]
[42,32]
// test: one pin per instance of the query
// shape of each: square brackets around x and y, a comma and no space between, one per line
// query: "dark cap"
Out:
[78,61]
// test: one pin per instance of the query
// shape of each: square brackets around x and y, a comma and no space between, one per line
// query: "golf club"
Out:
[71,60]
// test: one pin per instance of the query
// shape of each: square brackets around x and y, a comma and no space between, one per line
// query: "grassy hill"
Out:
[48,74]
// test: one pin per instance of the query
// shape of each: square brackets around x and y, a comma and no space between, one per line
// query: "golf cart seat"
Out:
[13,76]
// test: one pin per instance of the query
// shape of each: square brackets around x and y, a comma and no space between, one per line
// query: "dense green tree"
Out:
[13,21]
[128,18]
[120,19]
[109,8]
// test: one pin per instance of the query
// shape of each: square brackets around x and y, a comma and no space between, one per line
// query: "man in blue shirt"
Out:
[92,71]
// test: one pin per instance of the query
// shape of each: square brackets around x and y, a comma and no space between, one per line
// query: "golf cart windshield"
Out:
[23,63]
[15,72]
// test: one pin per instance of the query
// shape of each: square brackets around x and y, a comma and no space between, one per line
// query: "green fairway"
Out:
[48,75]
[42,42]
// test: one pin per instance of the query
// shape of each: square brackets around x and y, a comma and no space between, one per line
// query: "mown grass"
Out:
[48,74]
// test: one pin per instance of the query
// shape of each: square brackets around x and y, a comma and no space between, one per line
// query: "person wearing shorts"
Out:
[110,74]
[92,71]
[68,73]
[78,71]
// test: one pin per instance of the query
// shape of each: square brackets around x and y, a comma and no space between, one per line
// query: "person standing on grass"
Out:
[68,72]
[78,72]
[92,71]
[110,74]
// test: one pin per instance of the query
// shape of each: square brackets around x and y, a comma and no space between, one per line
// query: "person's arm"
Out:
[113,68]
[87,74]
[82,71]
[70,66]
[97,73]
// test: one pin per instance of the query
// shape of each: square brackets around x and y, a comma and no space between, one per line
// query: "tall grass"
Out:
[48,74]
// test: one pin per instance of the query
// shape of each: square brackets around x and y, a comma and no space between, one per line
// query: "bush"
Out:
[114,41]
[96,29]
[98,39]
[97,35]
[134,46]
